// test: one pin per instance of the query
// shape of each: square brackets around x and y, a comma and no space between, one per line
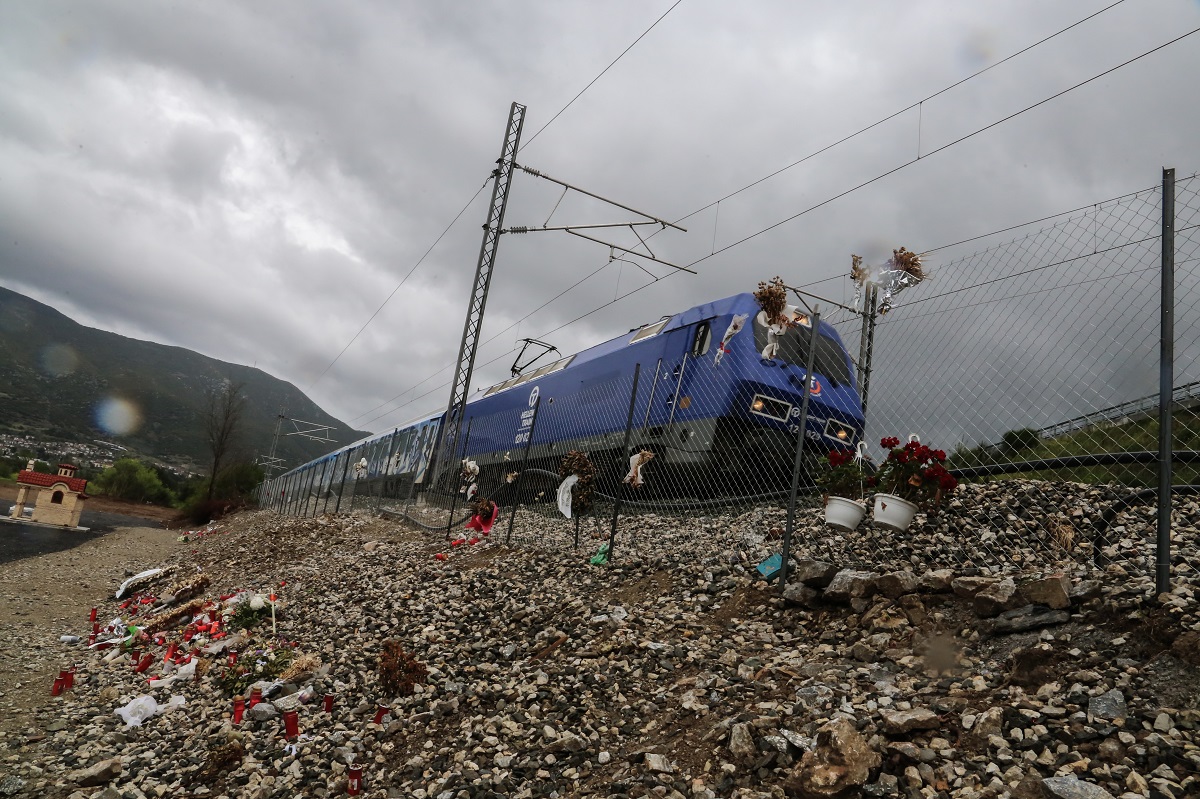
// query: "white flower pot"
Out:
[844,514]
[893,512]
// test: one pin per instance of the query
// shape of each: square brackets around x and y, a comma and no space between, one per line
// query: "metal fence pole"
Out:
[342,488]
[521,474]
[612,533]
[1166,380]
[319,482]
[454,496]
[308,494]
[383,476]
[872,315]
[796,467]
[329,491]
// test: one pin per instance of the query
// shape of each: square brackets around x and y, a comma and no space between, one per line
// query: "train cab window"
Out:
[702,339]
[649,330]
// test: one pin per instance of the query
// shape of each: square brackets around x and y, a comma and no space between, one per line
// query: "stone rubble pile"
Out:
[674,671]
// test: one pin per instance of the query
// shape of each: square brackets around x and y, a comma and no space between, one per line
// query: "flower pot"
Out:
[844,514]
[893,512]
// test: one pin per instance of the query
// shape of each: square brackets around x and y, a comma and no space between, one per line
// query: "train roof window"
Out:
[649,330]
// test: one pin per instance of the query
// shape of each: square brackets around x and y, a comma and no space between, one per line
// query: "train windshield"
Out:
[830,358]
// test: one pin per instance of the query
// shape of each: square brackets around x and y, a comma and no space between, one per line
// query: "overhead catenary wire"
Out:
[403,280]
[948,145]
[529,141]
[888,172]
[893,115]
[750,185]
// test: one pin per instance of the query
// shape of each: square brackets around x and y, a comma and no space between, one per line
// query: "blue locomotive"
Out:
[718,403]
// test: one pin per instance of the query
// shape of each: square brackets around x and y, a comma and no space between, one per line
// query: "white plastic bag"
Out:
[144,707]
[138,710]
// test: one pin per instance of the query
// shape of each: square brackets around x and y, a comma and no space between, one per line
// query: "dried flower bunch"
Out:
[301,668]
[858,272]
[772,298]
[907,262]
[914,472]
[482,507]
[584,493]
[844,476]
[172,617]
[398,670]
[186,589]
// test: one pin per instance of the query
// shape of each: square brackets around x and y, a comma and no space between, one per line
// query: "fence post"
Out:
[815,321]
[332,472]
[462,456]
[537,404]
[612,533]
[312,481]
[383,477]
[318,483]
[1166,380]
[868,353]
[342,488]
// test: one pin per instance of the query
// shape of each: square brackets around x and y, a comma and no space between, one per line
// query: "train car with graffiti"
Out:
[718,400]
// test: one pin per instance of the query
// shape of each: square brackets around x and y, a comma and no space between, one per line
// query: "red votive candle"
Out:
[354,784]
[255,696]
[239,707]
[328,703]
[380,712]
[92,617]
[134,656]
[70,678]
[65,677]
[57,688]
[91,639]
[233,658]
[291,724]
[95,628]
[171,650]
[145,662]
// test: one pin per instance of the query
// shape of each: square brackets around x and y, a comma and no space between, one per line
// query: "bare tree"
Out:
[222,416]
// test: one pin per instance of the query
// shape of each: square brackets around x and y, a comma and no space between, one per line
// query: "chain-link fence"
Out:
[1034,364]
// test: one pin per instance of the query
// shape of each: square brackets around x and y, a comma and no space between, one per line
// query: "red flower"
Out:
[889,442]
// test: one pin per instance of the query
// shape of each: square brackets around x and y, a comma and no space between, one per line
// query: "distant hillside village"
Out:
[92,457]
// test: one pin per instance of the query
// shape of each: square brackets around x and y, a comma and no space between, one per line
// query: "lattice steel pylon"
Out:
[502,178]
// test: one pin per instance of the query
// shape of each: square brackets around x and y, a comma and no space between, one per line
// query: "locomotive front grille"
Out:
[770,408]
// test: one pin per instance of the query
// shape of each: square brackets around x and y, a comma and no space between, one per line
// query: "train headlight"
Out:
[842,433]
[770,407]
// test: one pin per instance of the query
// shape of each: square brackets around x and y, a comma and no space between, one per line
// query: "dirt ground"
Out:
[45,596]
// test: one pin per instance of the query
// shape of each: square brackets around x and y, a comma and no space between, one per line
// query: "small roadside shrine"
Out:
[58,498]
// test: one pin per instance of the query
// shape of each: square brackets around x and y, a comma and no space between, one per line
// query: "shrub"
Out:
[133,481]
[398,670]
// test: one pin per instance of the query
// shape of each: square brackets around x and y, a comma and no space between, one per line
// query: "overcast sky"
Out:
[252,180]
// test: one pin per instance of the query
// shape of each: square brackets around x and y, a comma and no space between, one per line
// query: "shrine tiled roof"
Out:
[47,480]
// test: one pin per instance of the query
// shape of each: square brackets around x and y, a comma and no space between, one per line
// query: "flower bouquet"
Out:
[912,475]
[842,485]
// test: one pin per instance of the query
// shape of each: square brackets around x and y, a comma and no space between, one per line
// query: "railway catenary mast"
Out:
[502,179]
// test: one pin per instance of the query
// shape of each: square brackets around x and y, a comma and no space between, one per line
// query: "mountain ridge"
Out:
[63,380]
